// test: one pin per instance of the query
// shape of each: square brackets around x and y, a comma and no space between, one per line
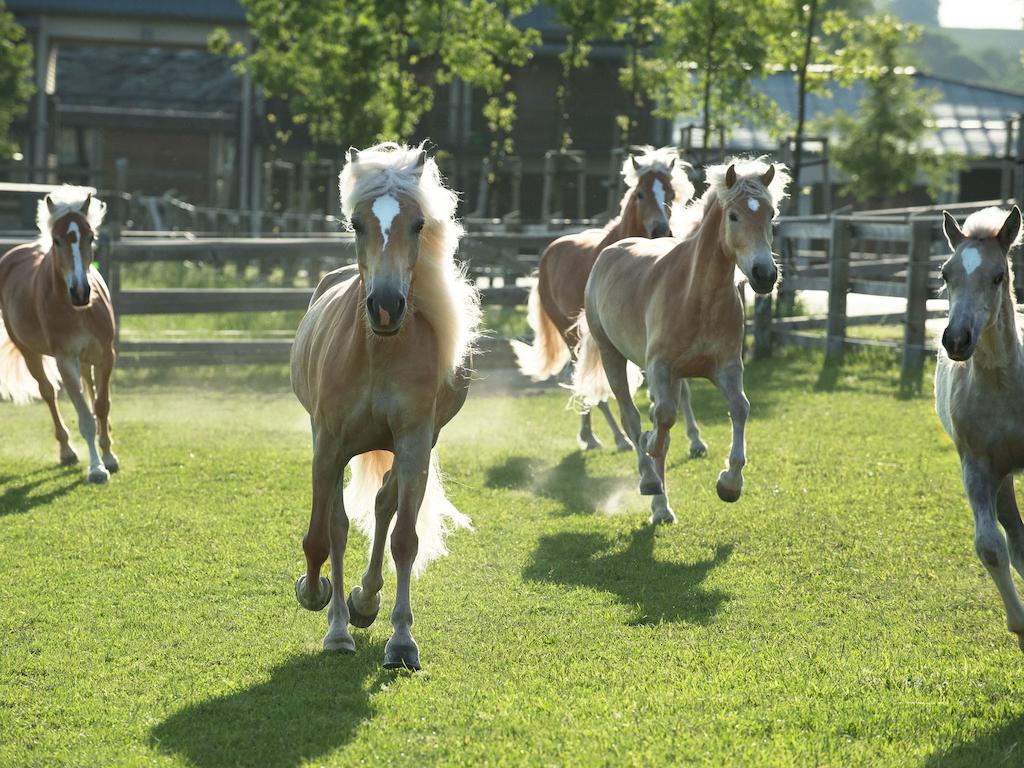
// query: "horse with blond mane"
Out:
[671,307]
[58,323]
[378,362]
[656,186]
[979,390]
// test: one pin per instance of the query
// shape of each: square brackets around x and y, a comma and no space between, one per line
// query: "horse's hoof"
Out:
[316,602]
[112,464]
[589,443]
[622,444]
[726,492]
[68,459]
[698,451]
[402,655]
[357,618]
[339,644]
[663,517]
[652,487]
[98,475]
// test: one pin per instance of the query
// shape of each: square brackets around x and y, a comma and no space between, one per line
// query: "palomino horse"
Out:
[378,364]
[56,308]
[979,390]
[654,181]
[671,307]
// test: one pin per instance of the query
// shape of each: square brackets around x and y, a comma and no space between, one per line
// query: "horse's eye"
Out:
[639,195]
[1000,277]
[357,226]
[417,226]
[733,216]
[56,241]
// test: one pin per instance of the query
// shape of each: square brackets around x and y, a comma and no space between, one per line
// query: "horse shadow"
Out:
[1003,746]
[22,492]
[661,591]
[567,482]
[311,705]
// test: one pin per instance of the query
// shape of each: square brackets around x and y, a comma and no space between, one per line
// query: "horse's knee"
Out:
[315,547]
[991,549]
[740,409]
[664,413]
[404,543]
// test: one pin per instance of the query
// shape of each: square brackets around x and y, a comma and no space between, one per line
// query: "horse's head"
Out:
[977,275]
[387,229]
[652,199]
[747,227]
[73,239]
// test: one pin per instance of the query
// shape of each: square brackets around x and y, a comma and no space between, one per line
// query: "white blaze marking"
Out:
[659,192]
[970,258]
[76,251]
[385,208]
[753,203]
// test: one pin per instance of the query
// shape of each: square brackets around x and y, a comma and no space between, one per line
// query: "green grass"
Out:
[836,615]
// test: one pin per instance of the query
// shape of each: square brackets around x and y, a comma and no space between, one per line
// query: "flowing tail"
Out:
[16,383]
[549,352]
[589,382]
[437,517]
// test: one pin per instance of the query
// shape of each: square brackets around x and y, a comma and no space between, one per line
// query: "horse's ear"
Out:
[1010,230]
[730,177]
[50,205]
[636,165]
[353,155]
[768,175]
[671,164]
[953,234]
[421,160]
[84,210]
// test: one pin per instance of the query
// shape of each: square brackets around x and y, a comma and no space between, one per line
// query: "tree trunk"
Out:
[798,138]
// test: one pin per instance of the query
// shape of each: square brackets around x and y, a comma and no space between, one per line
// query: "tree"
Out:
[359,71]
[16,87]
[879,148]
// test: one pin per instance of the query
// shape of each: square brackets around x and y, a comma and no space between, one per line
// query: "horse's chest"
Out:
[992,429]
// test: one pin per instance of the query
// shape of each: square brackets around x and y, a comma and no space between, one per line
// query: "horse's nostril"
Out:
[400,306]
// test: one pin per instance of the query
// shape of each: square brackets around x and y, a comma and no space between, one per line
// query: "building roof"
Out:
[970,119]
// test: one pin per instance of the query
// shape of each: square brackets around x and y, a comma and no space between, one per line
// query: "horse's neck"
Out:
[999,346]
[713,268]
[628,224]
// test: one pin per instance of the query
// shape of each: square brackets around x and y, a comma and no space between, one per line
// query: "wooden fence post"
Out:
[838,284]
[918,267]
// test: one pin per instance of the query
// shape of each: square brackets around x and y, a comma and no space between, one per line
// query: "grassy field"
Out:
[836,615]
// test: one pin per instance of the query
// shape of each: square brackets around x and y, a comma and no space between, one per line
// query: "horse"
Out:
[380,364]
[979,389]
[671,306]
[655,181]
[58,324]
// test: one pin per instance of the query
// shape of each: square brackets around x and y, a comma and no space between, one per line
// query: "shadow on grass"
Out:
[311,705]
[20,493]
[567,482]
[1001,747]
[660,590]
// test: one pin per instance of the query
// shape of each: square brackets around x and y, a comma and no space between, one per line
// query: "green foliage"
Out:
[360,71]
[879,147]
[16,86]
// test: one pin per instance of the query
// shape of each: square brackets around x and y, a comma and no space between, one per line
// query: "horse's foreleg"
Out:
[312,590]
[338,637]
[615,370]
[698,448]
[69,368]
[982,491]
[104,370]
[621,441]
[586,439]
[730,381]
[1009,518]
[663,413]
[364,602]
[34,363]
[412,462]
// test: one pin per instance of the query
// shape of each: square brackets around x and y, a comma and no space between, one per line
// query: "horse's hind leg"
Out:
[586,439]
[338,637]
[656,442]
[412,461]
[105,369]
[312,590]
[70,373]
[46,391]
[1009,518]
[982,491]
[364,601]
[615,370]
[621,441]
[730,380]
[698,448]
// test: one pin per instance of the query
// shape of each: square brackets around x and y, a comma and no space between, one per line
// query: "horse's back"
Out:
[16,269]
[563,271]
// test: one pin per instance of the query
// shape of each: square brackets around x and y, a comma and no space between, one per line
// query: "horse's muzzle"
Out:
[80,296]
[661,230]
[762,279]
[959,344]
[385,311]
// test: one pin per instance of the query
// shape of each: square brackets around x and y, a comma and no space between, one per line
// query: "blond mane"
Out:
[663,160]
[440,289]
[986,223]
[67,199]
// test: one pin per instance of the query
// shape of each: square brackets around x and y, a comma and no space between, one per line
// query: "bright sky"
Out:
[982,14]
